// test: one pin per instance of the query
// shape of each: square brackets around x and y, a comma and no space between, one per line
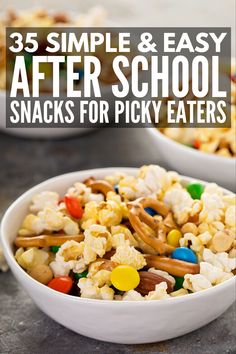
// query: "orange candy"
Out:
[61,284]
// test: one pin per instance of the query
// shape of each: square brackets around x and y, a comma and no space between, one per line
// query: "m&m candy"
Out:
[125,278]
[150,211]
[61,284]
[195,190]
[81,275]
[116,188]
[184,254]
[55,249]
[173,237]
[178,283]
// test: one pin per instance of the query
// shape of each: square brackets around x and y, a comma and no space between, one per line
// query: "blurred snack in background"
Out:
[219,141]
[41,18]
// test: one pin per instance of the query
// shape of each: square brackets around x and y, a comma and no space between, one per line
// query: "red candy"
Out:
[73,206]
[233,77]
[197,144]
[61,284]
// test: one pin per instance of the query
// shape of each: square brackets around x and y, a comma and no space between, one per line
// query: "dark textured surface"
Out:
[25,329]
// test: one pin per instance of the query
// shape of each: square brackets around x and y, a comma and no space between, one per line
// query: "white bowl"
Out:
[46,132]
[113,321]
[191,162]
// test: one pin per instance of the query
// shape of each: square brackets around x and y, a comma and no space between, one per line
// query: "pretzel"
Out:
[138,216]
[169,222]
[46,240]
[99,186]
[158,206]
[172,266]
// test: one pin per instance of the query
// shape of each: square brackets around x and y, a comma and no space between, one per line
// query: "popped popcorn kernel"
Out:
[196,282]
[130,256]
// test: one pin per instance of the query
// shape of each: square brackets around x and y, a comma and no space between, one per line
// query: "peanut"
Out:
[42,273]
[148,282]
[222,241]
[189,227]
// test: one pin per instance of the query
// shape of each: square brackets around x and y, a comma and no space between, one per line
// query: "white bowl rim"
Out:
[50,292]
[205,155]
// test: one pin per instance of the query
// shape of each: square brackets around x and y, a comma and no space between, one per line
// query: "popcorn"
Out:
[112,196]
[120,235]
[90,215]
[132,295]
[212,208]
[70,227]
[179,292]
[220,260]
[97,242]
[159,293]
[115,179]
[109,213]
[44,200]
[70,251]
[106,293]
[196,282]
[94,268]
[69,257]
[60,269]
[32,224]
[130,256]
[101,278]
[3,264]
[214,274]
[230,216]
[180,202]
[96,197]
[52,219]
[89,290]
[127,188]
[196,244]
[84,193]
[152,181]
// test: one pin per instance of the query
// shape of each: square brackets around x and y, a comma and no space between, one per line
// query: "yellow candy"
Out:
[46,68]
[125,278]
[173,237]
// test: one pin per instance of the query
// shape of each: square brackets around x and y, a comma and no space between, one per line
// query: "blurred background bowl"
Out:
[194,163]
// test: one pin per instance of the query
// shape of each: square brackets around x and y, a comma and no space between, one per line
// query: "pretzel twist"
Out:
[138,216]
[46,240]
[172,266]
[99,186]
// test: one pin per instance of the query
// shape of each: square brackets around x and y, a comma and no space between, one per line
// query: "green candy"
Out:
[195,190]
[188,145]
[55,249]
[178,283]
[81,275]
[28,61]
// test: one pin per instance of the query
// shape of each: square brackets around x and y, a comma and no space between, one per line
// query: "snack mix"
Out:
[124,237]
[95,17]
[220,141]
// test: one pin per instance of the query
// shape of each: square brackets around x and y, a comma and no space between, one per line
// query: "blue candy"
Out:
[150,211]
[81,73]
[184,254]
[116,188]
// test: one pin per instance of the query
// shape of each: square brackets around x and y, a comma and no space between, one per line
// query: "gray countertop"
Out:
[23,327]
